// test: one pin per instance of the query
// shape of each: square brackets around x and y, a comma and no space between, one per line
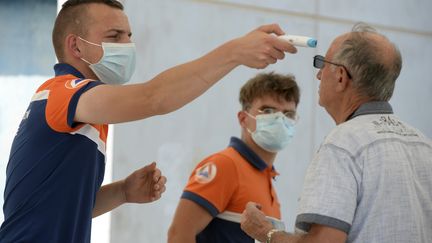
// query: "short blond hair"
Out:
[282,86]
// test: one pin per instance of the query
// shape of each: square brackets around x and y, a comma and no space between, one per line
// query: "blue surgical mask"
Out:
[117,63]
[273,131]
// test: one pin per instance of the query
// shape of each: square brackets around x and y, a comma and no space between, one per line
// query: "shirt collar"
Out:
[64,69]
[247,153]
[374,107]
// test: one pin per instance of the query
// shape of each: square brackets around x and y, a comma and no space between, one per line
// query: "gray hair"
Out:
[373,75]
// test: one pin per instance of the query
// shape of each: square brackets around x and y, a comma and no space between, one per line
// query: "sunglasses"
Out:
[319,62]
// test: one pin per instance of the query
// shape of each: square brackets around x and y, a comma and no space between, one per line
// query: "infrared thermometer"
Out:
[298,40]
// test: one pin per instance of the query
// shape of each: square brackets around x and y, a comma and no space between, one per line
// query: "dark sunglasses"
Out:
[319,62]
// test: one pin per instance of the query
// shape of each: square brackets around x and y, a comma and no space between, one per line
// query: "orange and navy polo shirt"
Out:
[223,183]
[56,166]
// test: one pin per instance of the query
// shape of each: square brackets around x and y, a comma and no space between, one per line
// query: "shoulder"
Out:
[67,82]
[221,160]
[353,134]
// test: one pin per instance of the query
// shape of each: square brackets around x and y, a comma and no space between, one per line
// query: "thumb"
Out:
[253,205]
[147,168]
[152,165]
[272,29]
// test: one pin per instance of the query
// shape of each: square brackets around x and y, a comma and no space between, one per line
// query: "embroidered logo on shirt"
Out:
[206,173]
[387,124]
[75,83]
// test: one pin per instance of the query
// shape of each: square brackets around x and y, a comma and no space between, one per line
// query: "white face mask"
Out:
[273,131]
[117,63]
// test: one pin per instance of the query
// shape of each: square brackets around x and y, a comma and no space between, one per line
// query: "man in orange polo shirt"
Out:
[222,184]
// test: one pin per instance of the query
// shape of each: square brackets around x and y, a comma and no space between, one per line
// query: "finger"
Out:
[162,180]
[160,183]
[243,217]
[270,60]
[156,197]
[157,175]
[161,190]
[158,194]
[276,54]
[260,65]
[272,29]
[152,166]
[283,45]
[253,205]
[146,169]
[264,60]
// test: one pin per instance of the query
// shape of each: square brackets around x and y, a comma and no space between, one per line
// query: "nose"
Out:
[127,39]
[319,74]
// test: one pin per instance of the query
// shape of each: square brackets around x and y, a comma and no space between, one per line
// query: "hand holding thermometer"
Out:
[299,40]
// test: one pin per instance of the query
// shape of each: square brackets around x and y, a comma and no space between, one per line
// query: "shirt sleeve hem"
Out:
[304,222]
[201,201]
[74,102]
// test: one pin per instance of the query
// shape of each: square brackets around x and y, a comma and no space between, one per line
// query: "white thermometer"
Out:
[299,40]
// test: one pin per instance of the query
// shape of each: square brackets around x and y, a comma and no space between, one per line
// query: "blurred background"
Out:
[170,32]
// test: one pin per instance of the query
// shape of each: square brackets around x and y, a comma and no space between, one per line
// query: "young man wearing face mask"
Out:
[57,160]
[221,185]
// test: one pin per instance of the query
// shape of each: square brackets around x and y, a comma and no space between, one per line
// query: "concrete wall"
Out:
[168,33]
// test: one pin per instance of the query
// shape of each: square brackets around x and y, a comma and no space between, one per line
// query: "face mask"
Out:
[273,131]
[117,63]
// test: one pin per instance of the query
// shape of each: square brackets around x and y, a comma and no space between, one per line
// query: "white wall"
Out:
[25,62]
[171,32]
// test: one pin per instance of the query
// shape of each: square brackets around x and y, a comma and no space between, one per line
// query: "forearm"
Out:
[317,234]
[179,85]
[167,92]
[284,237]
[109,197]
[181,237]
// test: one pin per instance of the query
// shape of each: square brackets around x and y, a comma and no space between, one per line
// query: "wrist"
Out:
[232,54]
[123,196]
[270,235]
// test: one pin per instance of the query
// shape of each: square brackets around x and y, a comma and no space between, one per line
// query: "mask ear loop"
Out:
[247,129]
[247,113]
[91,43]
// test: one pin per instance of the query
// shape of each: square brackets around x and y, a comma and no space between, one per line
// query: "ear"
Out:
[241,115]
[71,46]
[343,80]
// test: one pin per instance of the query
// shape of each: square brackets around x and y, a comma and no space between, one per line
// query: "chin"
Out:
[320,103]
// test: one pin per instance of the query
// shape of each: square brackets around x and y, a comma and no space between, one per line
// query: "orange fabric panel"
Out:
[218,185]
[61,89]
[228,181]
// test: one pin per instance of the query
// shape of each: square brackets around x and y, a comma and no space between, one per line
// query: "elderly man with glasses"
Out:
[370,181]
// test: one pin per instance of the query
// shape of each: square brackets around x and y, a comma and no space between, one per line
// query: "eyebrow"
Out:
[268,106]
[120,31]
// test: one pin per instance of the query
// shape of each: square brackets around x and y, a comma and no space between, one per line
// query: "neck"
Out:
[82,67]
[266,156]
[349,103]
